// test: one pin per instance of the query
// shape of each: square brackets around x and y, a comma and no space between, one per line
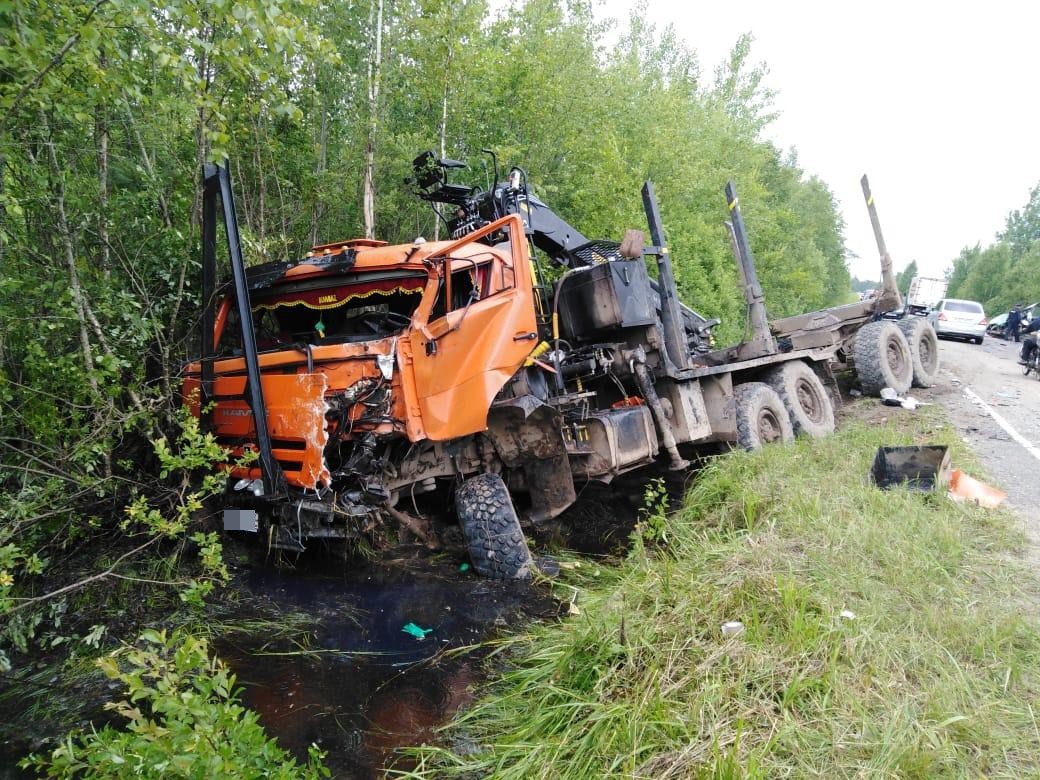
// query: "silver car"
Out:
[964,319]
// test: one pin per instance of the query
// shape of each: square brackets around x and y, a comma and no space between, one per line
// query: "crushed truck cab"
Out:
[371,357]
[448,392]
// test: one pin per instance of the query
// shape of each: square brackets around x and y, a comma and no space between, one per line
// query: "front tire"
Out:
[761,416]
[805,398]
[492,531]
[882,358]
[924,350]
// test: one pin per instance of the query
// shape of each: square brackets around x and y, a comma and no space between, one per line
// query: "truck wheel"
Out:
[882,358]
[761,416]
[924,350]
[804,397]
[493,535]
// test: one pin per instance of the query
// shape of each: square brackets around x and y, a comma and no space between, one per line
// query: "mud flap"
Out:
[527,435]
[551,486]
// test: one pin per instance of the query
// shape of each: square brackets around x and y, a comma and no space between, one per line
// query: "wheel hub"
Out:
[769,429]
[810,401]
[893,356]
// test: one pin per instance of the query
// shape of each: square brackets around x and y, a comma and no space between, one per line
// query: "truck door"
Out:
[473,336]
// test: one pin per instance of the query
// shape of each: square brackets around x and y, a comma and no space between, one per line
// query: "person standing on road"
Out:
[1029,342]
[1014,320]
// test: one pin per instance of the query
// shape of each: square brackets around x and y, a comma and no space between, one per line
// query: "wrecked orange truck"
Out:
[427,389]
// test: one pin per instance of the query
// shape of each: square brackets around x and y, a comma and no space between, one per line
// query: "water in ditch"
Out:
[355,681]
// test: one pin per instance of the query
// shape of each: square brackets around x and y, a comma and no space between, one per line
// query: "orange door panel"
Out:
[476,349]
[458,382]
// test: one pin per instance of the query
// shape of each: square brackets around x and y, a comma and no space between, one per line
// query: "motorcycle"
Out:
[1033,364]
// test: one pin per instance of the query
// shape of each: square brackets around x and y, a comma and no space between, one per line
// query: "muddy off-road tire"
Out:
[924,349]
[882,358]
[493,535]
[761,416]
[805,398]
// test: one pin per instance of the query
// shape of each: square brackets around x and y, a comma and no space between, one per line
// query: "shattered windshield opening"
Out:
[362,310]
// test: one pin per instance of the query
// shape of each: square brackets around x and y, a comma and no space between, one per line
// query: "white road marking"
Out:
[1031,448]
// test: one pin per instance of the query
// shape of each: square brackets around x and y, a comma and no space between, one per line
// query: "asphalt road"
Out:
[996,410]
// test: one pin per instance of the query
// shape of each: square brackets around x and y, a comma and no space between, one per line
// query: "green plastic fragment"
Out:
[464,567]
[413,630]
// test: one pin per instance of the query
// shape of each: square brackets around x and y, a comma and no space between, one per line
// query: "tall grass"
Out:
[933,671]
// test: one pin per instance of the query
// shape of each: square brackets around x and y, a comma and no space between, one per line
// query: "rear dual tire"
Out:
[882,357]
[924,350]
[762,417]
[804,397]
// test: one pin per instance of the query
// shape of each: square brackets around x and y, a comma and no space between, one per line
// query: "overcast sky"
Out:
[936,102]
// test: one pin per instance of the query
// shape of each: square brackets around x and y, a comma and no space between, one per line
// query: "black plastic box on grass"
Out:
[919,467]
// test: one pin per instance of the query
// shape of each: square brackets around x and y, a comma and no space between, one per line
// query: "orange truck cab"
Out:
[381,387]
[360,343]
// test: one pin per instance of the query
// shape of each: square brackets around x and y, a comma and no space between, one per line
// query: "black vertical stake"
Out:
[671,315]
[753,290]
[746,259]
[209,283]
[218,177]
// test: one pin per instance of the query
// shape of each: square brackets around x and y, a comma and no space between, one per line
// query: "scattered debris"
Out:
[572,605]
[547,565]
[965,488]
[847,614]
[918,467]
[413,630]
[1005,398]
[889,397]
[855,393]
[732,628]
[464,567]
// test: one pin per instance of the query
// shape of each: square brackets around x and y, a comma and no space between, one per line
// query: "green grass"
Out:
[937,675]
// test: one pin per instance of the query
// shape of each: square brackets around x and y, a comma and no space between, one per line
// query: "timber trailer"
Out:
[421,390]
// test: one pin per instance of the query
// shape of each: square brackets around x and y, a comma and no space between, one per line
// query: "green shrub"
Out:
[184,721]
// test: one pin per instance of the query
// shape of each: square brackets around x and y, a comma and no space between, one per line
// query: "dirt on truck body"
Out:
[424,389]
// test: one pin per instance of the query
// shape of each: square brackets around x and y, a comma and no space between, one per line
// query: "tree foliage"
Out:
[1006,272]
[904,277]
[108,108]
